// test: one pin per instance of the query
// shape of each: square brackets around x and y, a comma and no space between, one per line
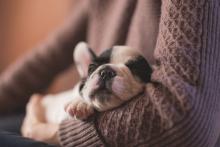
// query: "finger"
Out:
[34,100]
[35,109]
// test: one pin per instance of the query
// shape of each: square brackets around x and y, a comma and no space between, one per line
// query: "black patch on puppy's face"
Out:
[104,58]
[139,67]
[82,84]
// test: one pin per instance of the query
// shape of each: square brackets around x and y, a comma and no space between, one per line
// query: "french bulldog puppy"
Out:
[107,81]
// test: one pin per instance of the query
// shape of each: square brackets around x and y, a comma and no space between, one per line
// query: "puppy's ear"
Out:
[83,56]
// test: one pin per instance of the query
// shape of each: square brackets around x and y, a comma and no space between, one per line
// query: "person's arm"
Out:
[169,113]
[35,71]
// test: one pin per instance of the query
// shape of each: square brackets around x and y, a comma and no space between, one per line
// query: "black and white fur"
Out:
[107,81]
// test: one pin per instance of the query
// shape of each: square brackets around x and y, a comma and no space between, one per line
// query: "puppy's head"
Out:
[111,78]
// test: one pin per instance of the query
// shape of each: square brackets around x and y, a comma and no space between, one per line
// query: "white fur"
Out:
[54,105]
[124,86]
[121,54]
[82,58]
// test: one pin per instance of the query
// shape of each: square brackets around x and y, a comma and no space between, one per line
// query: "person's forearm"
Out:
[79,133]
[35,71]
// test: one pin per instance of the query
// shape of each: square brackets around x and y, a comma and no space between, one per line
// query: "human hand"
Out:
[35,126]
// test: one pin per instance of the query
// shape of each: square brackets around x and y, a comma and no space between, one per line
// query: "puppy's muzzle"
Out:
[107,73]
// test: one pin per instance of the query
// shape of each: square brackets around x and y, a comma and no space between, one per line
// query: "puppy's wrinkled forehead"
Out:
[116,55]
[122,54]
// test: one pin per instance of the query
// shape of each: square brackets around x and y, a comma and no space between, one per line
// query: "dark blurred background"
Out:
[26,23]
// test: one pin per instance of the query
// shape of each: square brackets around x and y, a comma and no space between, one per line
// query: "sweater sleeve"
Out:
[170,112]
[34,72]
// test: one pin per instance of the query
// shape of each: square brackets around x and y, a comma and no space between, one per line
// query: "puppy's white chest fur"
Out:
[54,106]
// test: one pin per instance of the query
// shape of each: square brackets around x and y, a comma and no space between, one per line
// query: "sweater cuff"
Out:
[79,133]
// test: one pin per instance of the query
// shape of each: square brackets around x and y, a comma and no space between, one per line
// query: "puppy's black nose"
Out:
[107,73]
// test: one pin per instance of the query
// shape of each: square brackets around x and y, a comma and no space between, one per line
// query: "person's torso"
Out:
[124,22]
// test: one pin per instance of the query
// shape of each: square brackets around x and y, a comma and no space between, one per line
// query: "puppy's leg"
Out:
[79,109]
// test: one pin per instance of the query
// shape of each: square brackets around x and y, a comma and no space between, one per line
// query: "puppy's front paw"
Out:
[79,110]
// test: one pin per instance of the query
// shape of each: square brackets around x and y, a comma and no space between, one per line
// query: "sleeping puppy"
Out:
[107,81]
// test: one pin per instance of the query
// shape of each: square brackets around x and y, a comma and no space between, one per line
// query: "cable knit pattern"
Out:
[180,39]
[178,55]
[180,107]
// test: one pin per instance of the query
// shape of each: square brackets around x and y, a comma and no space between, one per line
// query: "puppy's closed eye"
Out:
[92,67]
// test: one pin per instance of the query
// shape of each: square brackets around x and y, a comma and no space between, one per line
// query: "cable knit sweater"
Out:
[180,108]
